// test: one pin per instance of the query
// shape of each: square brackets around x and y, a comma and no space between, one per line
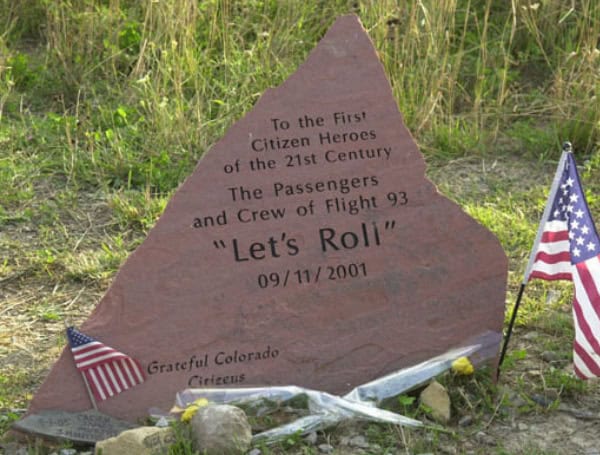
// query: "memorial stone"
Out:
[306,248]
[80,427]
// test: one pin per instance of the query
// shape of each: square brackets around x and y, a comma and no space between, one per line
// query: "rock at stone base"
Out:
[465,421]
[358,441]
[221,430]
[436,398]
[311,438]
[484,438]
[139,441]
[325,448]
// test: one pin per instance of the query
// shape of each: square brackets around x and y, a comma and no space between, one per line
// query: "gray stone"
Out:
[531,336]
[221,429]
[484,438]
[67,452]
[436,398]
[465,421]
[541,400]
[358,441]
[522,426]
[550,356]
[325,448]
[162,423]
[447,449]
[255,452]
[516,400]
[139,441]
[85,427]
[311,438]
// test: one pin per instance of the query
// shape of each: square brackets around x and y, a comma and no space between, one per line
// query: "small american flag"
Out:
[108,372]
[569,249]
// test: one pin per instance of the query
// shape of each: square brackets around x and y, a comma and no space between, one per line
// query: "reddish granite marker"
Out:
[306,248]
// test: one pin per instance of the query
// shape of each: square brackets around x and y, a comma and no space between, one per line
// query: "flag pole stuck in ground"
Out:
[567,247]
[106,371]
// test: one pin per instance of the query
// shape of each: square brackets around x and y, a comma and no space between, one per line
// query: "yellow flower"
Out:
[189,413]
[462,366]
[193,408]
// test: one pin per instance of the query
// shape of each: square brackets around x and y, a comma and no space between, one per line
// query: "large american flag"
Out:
[108,372]
[569,249]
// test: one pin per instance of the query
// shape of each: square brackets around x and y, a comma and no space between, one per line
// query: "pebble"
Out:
[531,335]
[522,426]
[517,401]
[550,356]
[162,422]
[541,400]
[592,451]
[311,438]
[67,452]
[255,452]
[484,438]
[325,448]
[465,421]
[447,449]
[358,441]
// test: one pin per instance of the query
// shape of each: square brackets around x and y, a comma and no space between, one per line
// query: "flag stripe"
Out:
[586,293]
[550,277]
[120,375]
[590,277]
[555,226]
[113,381]
[136,369]
[582,314]
[586,359]
[553,269]
[549,236]
[99,360]
[554,247]
[86,347]
[105,383]
[98,392]
[555,258]
[547,277]
[580,369]
[127,371]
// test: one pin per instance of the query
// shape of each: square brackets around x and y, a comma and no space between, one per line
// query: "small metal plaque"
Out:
[86,427]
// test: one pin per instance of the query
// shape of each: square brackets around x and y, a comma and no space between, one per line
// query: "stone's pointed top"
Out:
[306,248]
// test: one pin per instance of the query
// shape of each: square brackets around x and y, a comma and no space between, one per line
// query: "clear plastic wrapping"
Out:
[325,409]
